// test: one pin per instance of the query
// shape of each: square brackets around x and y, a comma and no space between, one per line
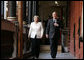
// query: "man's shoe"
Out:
[54,57]
[33,57]
[36,58]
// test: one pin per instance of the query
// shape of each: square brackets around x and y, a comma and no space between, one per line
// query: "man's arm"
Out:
[61,24]
[47,28]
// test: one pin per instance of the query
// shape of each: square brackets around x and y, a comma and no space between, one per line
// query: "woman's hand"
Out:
[28,37]
[46,35]
[41,37]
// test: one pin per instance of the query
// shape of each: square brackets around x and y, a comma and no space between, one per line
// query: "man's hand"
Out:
[29,38]
[55,24]
[46,35]
[41,37]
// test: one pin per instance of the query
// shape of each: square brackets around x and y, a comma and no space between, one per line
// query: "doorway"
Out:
[45,10]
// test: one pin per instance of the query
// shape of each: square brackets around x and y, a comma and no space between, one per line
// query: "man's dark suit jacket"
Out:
[52,30]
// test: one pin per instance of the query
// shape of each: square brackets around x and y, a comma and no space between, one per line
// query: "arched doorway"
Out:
[45,10]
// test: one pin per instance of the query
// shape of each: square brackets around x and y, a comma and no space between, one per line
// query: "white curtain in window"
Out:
[82,23]
[5,9]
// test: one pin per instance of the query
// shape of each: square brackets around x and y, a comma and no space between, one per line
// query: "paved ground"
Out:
[59,56]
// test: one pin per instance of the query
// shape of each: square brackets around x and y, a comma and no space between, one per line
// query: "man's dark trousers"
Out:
[53,46]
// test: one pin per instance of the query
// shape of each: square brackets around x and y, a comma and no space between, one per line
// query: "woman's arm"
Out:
[42,30]
[30,30]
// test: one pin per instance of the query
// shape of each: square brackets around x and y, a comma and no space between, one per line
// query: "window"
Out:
[82,24]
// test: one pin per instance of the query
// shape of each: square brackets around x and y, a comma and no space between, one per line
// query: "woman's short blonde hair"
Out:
[36,16]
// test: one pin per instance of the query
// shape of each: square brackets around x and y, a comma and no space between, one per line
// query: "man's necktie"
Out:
[55,20]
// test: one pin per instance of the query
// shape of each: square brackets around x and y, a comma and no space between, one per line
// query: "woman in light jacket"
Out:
[35,33]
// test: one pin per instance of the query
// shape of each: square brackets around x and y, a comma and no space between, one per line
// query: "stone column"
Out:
[20,32]
[14,54]
[33,9]
[24,12]
[5,9]
[29,12]
[2,9]
[11,11]
[12,17]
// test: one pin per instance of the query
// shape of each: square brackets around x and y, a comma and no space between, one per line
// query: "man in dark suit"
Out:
[53,33]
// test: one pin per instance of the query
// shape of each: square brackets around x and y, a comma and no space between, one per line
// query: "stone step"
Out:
[46,48]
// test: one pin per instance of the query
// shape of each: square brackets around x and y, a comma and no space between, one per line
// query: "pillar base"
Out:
[11,18]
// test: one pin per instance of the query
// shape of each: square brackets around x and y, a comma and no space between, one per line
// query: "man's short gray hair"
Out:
[54,12]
